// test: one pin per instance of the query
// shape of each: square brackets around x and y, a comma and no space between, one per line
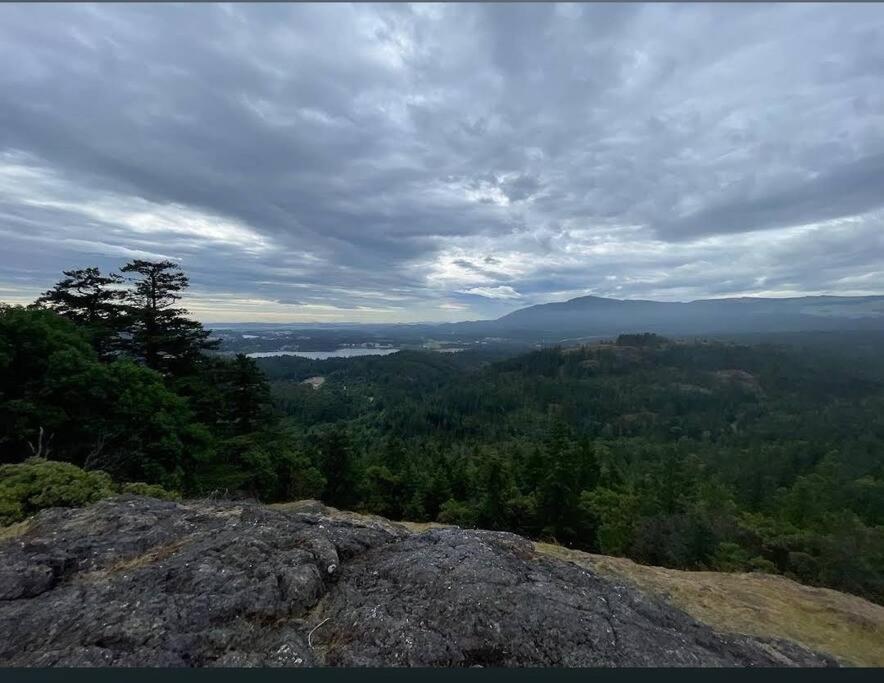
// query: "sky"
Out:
[396,163]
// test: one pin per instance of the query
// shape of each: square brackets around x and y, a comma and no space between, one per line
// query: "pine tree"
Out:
[497,488]
[91,300]
[249,395]
[558,492]
[338,467]
[589,470]
[393,456]
[162,335]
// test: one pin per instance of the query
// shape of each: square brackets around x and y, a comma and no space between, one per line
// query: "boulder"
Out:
[133,581]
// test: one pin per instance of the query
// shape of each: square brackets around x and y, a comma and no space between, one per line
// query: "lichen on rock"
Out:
[133,581]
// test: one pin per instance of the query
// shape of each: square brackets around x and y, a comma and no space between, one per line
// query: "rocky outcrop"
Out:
[139,582]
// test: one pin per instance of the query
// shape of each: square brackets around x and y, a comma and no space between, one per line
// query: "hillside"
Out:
[590,316]
[580,319]
[133,581]
[757,604]
[700,456]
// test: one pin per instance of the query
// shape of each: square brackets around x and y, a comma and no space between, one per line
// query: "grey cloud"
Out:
[486,272]
[847,190]
[589,148]
[521,187]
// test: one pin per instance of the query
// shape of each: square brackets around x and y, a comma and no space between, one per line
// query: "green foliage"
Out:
[338,466]
[116,416]
[762,564]
[695,455]
[91,300]
[248,396]
[384,492]
[139,488]
[263,465]
[458,513]
[160,334]
[730,557]
[617,514]
[84,296]
[698,455]
[145,404]
[35,484]
[644,339]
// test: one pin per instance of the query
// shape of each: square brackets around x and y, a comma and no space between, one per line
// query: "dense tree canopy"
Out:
[142,401]
[692,454]
[698,455]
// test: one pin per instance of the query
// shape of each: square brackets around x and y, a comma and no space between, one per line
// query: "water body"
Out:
[322,355]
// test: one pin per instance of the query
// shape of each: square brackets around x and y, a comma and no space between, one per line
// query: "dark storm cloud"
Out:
[847,190]
[401,162]
[481,270]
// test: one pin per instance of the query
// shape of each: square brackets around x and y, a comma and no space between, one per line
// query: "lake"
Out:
[322,355]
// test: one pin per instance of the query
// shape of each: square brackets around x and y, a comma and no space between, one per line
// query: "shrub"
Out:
[761,564]
[139,488]
[458,513]
[730,557]
[26,488]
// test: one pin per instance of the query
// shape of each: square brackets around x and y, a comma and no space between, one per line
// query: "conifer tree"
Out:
[92,301]
[161,334]
[338,467]
[249,395]
[558,492]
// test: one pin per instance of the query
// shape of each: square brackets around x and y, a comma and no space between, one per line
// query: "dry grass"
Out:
[359,519]
[14,530]
[844,626]
[155,554]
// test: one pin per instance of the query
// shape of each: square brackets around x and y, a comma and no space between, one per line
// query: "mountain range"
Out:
[592,317]
[597,316]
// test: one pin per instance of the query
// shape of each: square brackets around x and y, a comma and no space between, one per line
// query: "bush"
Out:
[265,469]
[761,564]
[28,487]
[36,484]
[139,488]
[455,512]
[804,566]
[730,557]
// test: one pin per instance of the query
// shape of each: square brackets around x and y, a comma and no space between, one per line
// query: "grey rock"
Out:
[133,581]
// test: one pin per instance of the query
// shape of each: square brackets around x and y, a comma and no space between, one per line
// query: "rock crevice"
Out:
[134,581]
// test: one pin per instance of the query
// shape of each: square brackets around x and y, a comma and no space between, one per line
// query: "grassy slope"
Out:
[845,626]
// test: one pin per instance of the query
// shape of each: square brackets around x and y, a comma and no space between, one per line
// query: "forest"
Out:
[689,453]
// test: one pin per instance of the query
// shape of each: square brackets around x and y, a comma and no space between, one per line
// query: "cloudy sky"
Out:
[444,162]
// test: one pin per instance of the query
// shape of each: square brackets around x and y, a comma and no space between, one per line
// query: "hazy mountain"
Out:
[592,315]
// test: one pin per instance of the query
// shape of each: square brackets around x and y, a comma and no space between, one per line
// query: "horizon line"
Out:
[548,303]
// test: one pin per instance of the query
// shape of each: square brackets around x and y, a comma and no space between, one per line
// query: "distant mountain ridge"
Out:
[593,315]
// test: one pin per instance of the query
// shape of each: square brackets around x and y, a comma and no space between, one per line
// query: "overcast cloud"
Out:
[444,162]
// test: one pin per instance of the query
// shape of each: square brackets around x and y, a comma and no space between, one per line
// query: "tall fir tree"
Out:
[249,395]
[338,467]
[558,491]
[92,301]
[160,334]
